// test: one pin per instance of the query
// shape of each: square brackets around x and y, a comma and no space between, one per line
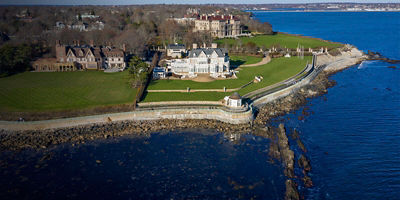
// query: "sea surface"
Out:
[352,136]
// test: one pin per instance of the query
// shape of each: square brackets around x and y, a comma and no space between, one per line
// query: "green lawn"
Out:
[180,96]
[236,60]
[277,70]
[284,40]
[32,91]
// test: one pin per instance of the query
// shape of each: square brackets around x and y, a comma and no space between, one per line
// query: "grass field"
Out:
[63,90]
[284,40]
[236,60]
[277,70]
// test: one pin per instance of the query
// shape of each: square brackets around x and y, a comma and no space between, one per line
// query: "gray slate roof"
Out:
[208,51]
[235,96]
[176,46]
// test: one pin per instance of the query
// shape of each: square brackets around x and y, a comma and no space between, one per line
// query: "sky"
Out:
[131,2]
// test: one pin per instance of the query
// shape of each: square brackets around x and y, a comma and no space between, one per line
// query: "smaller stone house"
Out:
[176,50]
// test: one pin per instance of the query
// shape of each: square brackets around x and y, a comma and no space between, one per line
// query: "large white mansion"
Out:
[213,61]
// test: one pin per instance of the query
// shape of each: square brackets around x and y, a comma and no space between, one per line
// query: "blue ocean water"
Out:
[188,164]
[353,135]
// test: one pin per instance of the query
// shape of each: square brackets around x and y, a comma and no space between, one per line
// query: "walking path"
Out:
[264,61]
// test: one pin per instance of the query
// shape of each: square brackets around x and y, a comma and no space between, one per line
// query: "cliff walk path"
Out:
[264,61]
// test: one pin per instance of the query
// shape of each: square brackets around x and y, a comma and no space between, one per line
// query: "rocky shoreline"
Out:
[279,147]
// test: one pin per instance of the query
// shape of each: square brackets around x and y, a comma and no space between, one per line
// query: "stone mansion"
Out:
[82,57]
[213,61]
[219,26]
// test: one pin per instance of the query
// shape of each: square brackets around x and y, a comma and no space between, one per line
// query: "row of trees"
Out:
[17,58]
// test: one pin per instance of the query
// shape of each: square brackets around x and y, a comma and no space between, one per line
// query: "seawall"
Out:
[326,63]
[211,113]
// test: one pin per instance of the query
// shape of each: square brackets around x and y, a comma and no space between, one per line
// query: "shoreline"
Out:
[44,138]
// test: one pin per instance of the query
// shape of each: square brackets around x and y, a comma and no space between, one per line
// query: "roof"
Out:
[158,69]
[218,17]
[235,96]
[208,51]
[176,46]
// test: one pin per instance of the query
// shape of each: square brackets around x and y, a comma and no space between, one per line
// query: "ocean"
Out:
[352,137]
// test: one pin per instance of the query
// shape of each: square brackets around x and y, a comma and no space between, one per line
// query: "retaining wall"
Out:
[181,113]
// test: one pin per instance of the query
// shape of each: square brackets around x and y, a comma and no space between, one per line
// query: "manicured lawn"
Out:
[236,60]
[32,91]
[181,96]
[284,40]
[277,70]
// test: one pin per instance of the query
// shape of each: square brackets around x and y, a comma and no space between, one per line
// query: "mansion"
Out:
[219,26]
[213,61]
[82,57]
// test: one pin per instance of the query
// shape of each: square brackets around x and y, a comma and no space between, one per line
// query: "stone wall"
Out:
[219,114]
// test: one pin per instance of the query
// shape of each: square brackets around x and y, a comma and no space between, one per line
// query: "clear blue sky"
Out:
[129,2]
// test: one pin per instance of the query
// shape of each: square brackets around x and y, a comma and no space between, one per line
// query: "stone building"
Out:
[176,50]
[219,26]
[82,57]
[90,56]
[213,61]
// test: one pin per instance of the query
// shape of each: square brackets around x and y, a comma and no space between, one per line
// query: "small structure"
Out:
[234,101]
[159,73]
[176,50]
[51,65]
[288,55]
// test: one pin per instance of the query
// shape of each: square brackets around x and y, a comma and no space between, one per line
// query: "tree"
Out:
[138,71]
[14,59]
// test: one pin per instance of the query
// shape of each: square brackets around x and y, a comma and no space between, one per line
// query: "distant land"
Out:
[314,7]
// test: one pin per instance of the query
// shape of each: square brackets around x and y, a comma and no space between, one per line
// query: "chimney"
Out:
[194,46]
[214,45]
[124,47]
[204,45]
[91,43]
[58,42]
[78,42]
[74,42]
[231,16]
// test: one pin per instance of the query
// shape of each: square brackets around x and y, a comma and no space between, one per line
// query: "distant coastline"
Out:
[355,11]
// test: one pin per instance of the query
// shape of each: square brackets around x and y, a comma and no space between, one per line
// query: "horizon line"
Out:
[140,4]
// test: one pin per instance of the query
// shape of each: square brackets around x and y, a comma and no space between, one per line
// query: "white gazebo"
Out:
[235,100]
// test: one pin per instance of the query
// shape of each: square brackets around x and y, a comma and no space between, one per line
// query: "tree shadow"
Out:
[236,63]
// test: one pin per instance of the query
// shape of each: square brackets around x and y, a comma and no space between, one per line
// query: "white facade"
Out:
[234,101]
[213,61]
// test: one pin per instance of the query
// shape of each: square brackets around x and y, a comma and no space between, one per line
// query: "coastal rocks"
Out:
[296,99]
[377,56]
[291,190]
[304,163]
[17,140]
[287,155]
